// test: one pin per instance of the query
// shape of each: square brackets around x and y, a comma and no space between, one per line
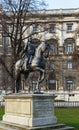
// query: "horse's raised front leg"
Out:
[40,79]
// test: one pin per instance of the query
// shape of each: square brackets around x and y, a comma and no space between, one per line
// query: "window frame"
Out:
[69,47]
[35,28]
[70,83]
[70,27]
[69,65]
[52,65]
[53,28]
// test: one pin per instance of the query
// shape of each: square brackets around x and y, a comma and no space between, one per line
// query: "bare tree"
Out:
[15,16]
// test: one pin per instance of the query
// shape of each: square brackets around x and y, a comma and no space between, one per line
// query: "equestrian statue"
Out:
[32,59]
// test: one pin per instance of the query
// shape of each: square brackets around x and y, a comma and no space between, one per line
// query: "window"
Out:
[6,40]
[52,84]
[53,46]
[69,65]
[19,30]
[69,47]
[69,84]
[35,28]
[52,28]
[52,65]
[69,27]
[53,49]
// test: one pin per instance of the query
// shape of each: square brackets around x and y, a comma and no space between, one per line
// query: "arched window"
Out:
[69,45]
[53,45]
[52,81]
[69,83]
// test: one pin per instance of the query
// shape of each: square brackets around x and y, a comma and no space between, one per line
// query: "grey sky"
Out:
[56,4]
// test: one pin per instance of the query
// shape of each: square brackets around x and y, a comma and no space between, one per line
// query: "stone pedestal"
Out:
[30,110]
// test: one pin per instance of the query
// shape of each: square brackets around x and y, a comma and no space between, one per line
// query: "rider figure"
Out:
[28,53]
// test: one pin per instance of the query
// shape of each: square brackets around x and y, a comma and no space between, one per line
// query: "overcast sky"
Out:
[56,4]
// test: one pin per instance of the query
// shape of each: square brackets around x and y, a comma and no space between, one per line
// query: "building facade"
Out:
[60,28]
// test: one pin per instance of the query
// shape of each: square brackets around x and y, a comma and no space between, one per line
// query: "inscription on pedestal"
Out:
[43,108]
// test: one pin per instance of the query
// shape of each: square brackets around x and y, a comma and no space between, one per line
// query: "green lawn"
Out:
[1,112]
[69,116]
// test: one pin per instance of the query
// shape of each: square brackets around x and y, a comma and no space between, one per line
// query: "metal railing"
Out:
[66,103]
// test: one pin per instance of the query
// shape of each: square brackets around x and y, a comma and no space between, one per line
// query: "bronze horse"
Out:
[37,63]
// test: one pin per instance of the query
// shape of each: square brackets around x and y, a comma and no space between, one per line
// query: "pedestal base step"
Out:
[7,126]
